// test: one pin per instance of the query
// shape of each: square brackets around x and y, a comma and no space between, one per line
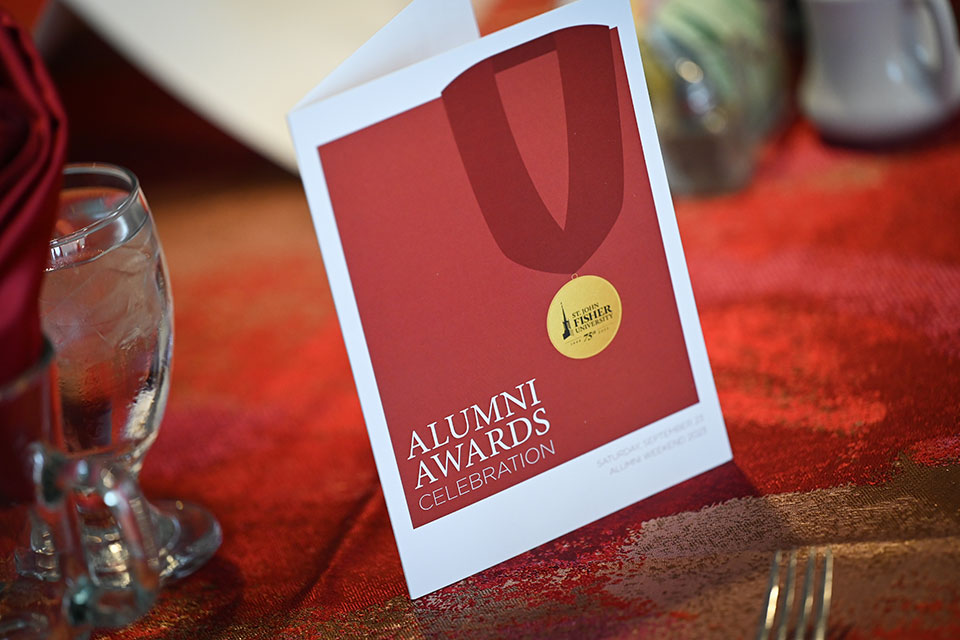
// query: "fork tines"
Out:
[785,608]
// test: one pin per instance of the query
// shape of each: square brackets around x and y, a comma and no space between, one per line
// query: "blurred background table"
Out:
[829,292]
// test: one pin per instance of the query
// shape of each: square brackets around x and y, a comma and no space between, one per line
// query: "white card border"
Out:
[578,491]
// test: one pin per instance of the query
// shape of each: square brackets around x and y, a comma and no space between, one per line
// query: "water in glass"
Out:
[109,314]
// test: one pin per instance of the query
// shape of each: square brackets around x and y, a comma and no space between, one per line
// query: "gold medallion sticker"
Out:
[584,317]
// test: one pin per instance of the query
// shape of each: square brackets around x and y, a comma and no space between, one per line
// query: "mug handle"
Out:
[64,484]
[945,25]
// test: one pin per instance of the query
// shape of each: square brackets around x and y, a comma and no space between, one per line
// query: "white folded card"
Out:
[503,254]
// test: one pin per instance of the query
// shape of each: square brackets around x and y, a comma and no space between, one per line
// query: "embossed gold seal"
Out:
[584,317]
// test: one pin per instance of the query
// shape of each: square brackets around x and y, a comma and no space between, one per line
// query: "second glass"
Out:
[107,308]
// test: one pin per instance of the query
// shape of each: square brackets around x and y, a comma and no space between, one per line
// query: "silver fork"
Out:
[782,607]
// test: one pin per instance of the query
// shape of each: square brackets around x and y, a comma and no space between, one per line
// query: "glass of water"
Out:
[106,307]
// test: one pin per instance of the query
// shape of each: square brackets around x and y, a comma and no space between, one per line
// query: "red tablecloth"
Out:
[829,293]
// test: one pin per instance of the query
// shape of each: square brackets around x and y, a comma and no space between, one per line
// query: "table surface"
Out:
[829,293]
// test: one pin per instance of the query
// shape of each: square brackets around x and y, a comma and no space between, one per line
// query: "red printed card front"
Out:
[506,266]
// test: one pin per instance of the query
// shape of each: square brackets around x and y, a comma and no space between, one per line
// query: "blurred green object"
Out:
[717,78]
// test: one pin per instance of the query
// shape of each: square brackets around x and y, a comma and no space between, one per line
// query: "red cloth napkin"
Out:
[33,141]
[33,137]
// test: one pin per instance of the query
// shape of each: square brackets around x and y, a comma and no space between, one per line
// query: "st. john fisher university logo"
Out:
[593,319]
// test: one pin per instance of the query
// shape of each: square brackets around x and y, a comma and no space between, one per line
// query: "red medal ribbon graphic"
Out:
[516,215]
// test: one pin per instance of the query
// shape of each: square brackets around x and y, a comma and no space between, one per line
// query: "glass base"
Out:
[30,610]
[187,535]
[38,559]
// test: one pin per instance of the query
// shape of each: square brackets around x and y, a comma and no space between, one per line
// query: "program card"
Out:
[503,254]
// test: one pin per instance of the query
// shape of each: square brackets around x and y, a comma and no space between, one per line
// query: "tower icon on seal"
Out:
[566,323]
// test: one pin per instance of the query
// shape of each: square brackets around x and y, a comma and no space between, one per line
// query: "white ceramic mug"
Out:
[879,70]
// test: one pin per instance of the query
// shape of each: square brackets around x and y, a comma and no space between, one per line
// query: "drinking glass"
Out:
[51,594]
[106,306]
